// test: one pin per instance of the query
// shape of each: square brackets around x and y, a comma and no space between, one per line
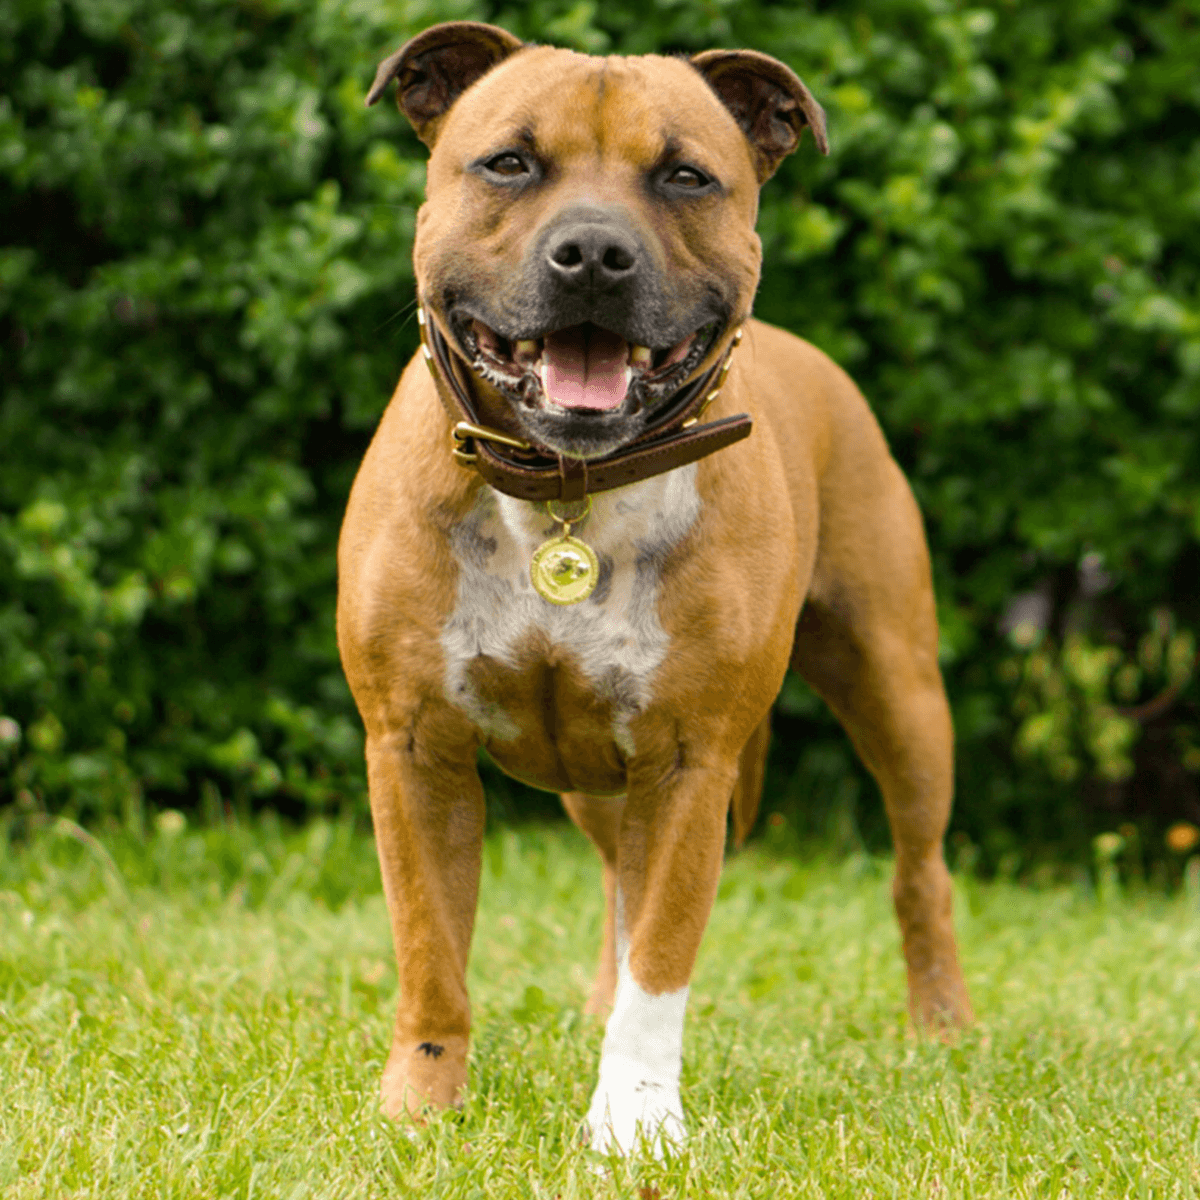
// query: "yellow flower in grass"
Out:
[1182,837]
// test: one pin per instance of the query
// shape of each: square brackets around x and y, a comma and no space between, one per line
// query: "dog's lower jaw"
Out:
[636,1101]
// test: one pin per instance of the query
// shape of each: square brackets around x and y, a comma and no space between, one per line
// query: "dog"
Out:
[602,514]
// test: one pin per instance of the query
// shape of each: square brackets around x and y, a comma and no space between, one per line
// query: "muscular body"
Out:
[646,706]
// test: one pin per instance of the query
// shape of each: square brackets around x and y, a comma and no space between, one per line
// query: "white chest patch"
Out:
[614,635]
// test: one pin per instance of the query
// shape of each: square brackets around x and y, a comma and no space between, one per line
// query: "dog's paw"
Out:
[423,1075]
[630,1105]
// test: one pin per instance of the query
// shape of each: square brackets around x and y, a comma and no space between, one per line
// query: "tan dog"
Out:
[586,255]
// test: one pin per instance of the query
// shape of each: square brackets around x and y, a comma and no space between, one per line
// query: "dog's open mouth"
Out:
[583,368]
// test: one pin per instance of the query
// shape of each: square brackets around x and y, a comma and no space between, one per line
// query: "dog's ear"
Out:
[767,99]
[437,66]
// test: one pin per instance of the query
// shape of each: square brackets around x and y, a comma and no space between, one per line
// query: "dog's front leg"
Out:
[428,811]
[669,859]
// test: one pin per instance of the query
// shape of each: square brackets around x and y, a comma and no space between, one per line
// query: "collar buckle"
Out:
[464,433]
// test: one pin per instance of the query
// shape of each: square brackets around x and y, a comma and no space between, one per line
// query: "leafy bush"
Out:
[205,298]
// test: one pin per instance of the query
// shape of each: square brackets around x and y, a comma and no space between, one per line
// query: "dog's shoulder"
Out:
[809,399]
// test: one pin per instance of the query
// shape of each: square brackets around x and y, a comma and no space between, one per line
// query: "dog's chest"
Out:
[553,688]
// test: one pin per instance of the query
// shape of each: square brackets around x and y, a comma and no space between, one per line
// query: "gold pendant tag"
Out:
[565,569]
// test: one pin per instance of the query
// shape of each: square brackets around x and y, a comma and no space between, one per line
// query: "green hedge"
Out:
[206,297]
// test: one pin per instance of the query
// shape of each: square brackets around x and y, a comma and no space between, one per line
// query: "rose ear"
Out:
[437,66]
[767,99]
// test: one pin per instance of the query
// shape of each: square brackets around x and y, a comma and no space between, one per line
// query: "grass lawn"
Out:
[207,1014]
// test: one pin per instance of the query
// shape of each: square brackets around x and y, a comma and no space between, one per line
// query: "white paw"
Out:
[629,1104]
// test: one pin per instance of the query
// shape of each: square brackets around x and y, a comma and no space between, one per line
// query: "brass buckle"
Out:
[464,432]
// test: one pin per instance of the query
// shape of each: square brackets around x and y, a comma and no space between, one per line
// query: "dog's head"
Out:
[588,238]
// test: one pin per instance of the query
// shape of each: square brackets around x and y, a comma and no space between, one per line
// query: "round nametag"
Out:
[564,570]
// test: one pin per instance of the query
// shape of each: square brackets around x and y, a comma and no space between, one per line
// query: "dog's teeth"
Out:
[640,356]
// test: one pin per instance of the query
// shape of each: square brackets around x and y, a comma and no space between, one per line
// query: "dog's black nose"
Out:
[592,254]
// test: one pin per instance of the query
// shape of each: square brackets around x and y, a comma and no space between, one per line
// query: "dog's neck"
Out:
[519,468]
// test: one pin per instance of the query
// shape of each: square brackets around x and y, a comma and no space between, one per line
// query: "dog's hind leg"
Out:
[888,695]
[600,819]
[867,641]
[747,792]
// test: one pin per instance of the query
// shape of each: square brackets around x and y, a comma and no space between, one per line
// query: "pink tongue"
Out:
[585,367]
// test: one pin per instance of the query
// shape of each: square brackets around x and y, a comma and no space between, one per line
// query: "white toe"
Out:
[628,1105]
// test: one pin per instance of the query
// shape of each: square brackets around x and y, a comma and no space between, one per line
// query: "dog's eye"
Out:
[688,177]
[507,164]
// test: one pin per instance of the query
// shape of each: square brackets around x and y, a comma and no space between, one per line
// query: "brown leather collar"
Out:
[530,472]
